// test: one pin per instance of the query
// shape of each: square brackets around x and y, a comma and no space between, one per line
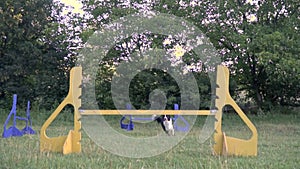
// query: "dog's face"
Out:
[168,123]
[167,118]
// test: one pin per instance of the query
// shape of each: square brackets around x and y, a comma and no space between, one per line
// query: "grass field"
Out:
[278,147]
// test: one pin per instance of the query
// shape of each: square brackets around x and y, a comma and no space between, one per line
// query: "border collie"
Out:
[166,123]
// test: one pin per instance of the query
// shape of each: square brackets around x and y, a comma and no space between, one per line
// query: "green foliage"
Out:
[263,52]
[258,40]
[149,80]
[34,52]
[19,45]
[281,63]
[240,39]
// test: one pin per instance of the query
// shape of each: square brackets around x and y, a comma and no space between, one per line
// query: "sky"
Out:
[75,4]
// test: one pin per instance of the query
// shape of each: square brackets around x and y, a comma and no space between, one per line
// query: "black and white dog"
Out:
[166,123]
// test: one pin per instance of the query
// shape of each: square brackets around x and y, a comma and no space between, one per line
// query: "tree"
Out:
[261,41]
[257,40]
[106,11]
[35,52]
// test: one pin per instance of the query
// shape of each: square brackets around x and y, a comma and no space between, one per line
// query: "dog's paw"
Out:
[172,132]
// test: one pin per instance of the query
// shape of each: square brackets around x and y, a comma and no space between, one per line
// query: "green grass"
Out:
[278,147]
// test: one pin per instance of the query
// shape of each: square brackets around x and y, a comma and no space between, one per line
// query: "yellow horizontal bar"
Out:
[146,112]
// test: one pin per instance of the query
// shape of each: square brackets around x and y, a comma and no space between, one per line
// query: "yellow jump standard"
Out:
[224,145]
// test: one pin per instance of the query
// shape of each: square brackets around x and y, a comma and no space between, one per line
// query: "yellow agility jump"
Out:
[224,145]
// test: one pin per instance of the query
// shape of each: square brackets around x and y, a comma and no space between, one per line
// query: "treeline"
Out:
[259,42]
[35,54]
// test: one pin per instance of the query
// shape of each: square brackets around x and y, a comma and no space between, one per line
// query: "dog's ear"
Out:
[159,119]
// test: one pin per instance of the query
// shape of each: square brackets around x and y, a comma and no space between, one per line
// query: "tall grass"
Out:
[278,147]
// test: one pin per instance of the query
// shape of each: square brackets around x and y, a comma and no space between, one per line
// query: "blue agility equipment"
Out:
[129,126]
[176,118]
[28,128]
[137,119]
[13,131]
